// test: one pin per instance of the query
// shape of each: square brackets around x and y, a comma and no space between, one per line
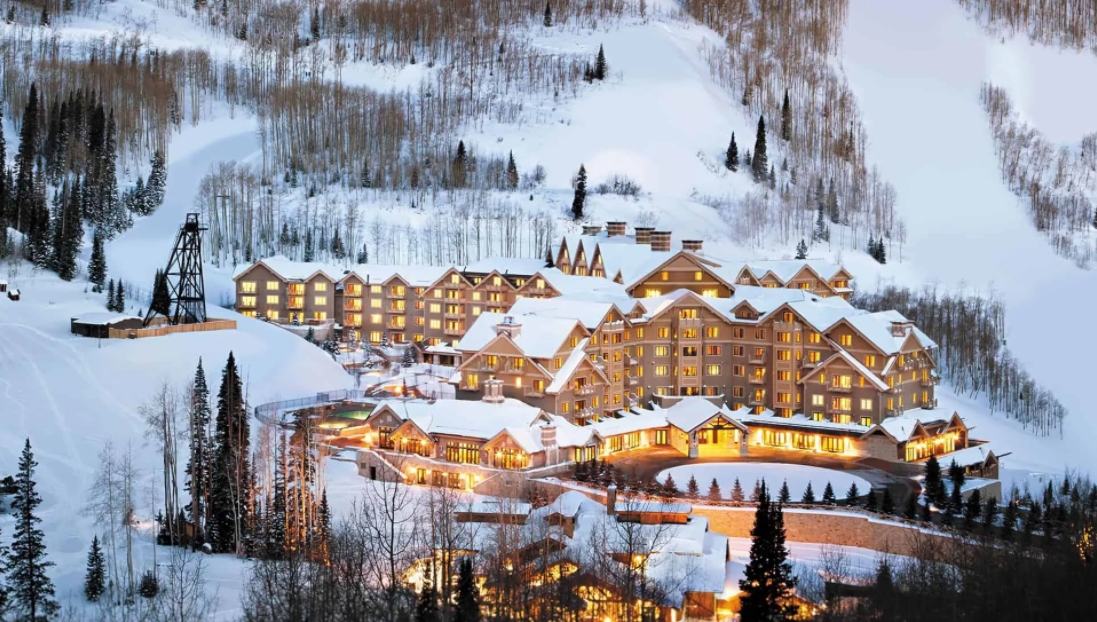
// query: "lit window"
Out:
[247,287]
[375,289]
[664,275]
[712,370]
[664,333]
[559,362]
[713,350]
[319,287]
[320,315]
[870,360]
[247,301]
[847,340]
[784,398]
[436,324]
[866,421]
[866,404]
[375,318]
[662,370]
[817,399]
[272,300]
[662,351]
[710,293]
[320,301]
[375,303]
[272,286]
[712,332]
[814,338]
[653,292]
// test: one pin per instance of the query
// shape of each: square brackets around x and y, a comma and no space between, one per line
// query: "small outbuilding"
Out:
[3,286]
[98,324]
[13,294]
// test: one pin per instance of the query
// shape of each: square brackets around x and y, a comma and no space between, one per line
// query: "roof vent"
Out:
[692,245]
[643,235]
[660,241]
[616,227]
[592,229]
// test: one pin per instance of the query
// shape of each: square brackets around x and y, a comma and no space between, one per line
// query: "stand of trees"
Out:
[973,357]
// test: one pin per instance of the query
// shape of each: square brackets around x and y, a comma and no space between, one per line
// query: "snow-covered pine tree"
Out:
[548,15]
[30,589]
[747,160]
[39,250]
[337,249]
[460,165]
[821,233]
[158,181]
[95,573]
[23,194]
[832,203]
[120,298]
[759,163]
[601,70]
[230,490]
[161,297]
[853,495]
[578,203]
[97,266]
[363,254]
[467,608]
[110,296]
[70,233]
[772,178]
[786,119]
[409,356]
[802,250]
[731,158]
[200,464]
[309,252]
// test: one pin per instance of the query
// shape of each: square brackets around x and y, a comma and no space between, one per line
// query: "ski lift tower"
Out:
[186,285]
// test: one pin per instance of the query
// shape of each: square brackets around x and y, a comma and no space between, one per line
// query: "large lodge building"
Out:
[622,329]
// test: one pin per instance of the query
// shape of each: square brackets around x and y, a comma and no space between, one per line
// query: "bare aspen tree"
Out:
[162,427]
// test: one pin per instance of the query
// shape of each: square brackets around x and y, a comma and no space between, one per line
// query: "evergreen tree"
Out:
[852,496]
[990,514]
[161,297]
[460,165]
[973,509]
[310,336]
[69,233]
[38,249]
[3,190]
[801,250]
[467,608]
[870,500]
[309,253]
[760,161]
[95,575]
[809,495]
[767,583]
[747,162]
[115,217]
[30,589]
[927,513]
[337,249]
[832,202]
[692,489]
[23,205]
[828,495]
[883,594]
[714,493]
[670,487]
[821,233]
[97,266]
[601,70]
[548,15]
[426,605]
[731,158]
[956,499]
[200,464]
[120,298]
[786,119]
[230,488]
[549,263]
[110,296]
[363,255]
[409,357]
[887,504]
[579,202]
[512,172]
[158,181]
[149,586]
[772,178]
[276,518]
[756,493]
[881,251]
[785,495]
[911,510]
[737,492]
[934,487]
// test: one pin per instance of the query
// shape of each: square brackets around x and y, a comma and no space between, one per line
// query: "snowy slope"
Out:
[70,394]
[916,69]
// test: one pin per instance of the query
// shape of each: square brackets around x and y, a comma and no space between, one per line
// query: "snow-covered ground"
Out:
[797,476]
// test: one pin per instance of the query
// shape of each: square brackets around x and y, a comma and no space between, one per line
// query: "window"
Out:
[664,275]
[712,332]
[247,287]
[760,333]
[320,315]
[639,333]
[272,300]
[250,314]
[788,317]
[354,289]
[784,355]
[689,333]
[491,360]
[320,301]
[784,398]
[662,370]
[574,341]
[841,381]
[813,357]
[436,324]
[739,333]
[689,371]
[841,403]
[375,303]
[559,362]
[846,340]
[713,350]
[464,453]
[639,351]
[840,418]
[738,370]
[375,289]
[375,336]
[272,286]
[783,336]
[815,338]
[737,350]
[712,370]
[710,293]
[689,351]
[698,275]
[475,311]
[662,351]
[737,391]
[866,404]
[247,301]
[866,421]
[664,333]
[319,287]
[817,399]
[816,416]
[653,292]
[759,353]
[687,314]
[833,444]
[870,360]
[784,375]
[891,403]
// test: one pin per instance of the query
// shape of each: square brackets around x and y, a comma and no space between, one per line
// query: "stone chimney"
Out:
[611,500]
[900,329]
[592,229]
[493,391]
[660,240]
[616,227]
[692,245]
[643,235]
[548,436]
[508,327]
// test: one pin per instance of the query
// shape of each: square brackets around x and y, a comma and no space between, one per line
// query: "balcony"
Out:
[839,410]
[807,364]
[756,359]
[757,401]
[295,304]
[453,316]
[929,381]
[397,325]
[757,380]
[456,332]
[839,389]
[586,389]
[352,305]
[244,303]
[631,381]
[533,392]
[497,288]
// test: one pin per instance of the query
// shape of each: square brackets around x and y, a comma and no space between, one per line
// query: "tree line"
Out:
[972,354]
[1068,24]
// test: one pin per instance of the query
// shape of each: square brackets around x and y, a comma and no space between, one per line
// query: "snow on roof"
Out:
[785,269]
[570,503]
[902,426]
[539,337]
[589,313]
[568,368]
[691,412]
[474,419]
[519,266]
[770,418]
[492,505]
[102,318]
[646,505]
[630,422]
[852,362]
[876,327]
[972,455]
[635,266]
[291,270]
[571,284]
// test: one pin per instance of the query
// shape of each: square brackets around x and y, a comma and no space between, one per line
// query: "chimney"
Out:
[900,329]
[692,245]
[616,227]
[493,391]
[611,500]
[548,436]
[660,240]
[643,235]
[508,326]
[592,229]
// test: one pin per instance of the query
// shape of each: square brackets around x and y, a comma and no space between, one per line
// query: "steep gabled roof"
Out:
[539,337]
[842,355]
